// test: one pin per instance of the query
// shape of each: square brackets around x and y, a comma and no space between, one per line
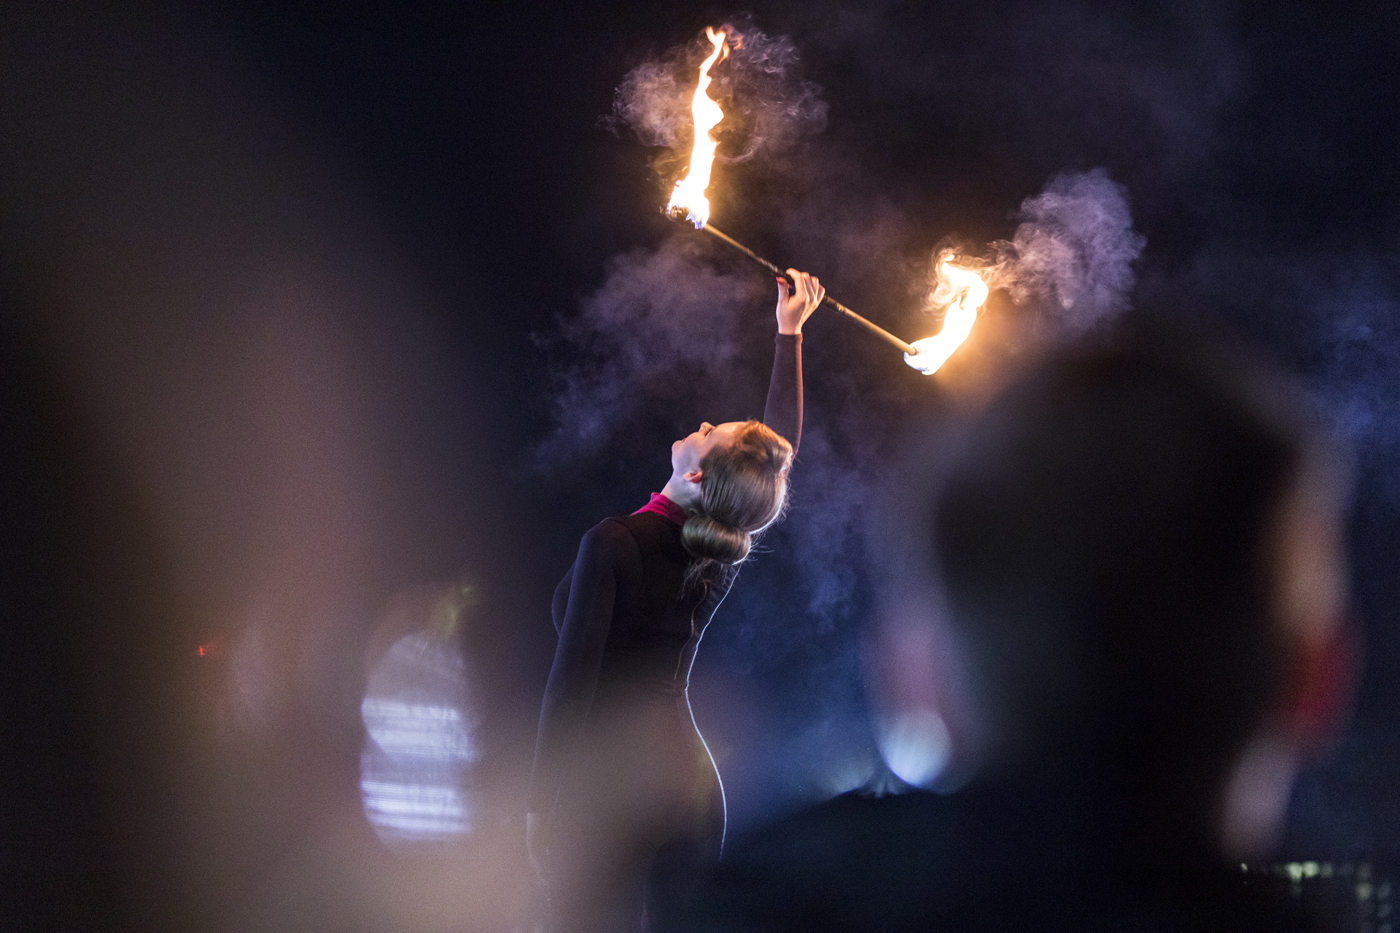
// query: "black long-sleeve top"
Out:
[627,631]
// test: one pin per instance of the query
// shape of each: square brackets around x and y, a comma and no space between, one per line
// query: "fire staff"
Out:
[625,798]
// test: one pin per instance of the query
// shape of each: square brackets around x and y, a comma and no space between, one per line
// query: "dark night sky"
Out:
[392,214]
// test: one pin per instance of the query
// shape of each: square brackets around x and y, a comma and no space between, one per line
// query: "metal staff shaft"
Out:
[873,328]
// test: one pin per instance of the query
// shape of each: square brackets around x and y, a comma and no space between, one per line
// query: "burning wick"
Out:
[968,293]
[688,202]
[688,197]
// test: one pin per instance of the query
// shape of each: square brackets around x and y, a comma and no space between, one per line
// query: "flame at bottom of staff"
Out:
[964,292]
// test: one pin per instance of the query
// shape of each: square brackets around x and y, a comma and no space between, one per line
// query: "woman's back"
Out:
[655,622]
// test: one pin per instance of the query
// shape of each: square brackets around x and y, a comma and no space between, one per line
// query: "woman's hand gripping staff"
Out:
[797,301]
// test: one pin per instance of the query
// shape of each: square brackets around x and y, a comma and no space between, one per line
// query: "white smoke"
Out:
[768,108]
[1072,255]
[654,100]
[660,312]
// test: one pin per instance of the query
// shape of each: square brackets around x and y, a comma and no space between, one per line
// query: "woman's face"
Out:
[688,452]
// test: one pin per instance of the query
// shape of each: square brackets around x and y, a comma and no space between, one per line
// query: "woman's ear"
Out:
[694,476]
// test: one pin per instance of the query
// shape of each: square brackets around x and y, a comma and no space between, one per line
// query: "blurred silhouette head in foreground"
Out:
[1114,624]
[1140,543]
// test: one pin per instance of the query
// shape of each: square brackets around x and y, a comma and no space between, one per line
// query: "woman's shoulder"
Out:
[611,537]
[647,529]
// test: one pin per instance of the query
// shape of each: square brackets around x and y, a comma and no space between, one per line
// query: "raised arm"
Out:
[783,413]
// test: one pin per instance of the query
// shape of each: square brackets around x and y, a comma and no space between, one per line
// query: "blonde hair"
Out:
[743,491]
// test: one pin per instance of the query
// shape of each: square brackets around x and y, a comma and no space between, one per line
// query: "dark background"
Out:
[282,305]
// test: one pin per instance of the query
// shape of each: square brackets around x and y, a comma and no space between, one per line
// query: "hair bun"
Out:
[708,538]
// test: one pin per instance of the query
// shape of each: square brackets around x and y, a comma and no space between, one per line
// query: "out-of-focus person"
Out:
[1132,562]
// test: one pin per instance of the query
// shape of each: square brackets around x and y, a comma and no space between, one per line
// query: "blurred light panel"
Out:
[419,745]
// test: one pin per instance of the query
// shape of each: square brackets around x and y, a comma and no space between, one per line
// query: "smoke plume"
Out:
[1072,255]
[768,108]
[659,312]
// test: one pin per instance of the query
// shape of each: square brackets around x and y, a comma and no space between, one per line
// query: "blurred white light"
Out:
[854,773]
[916,746]
[412,811]
[419,744]
[408,730]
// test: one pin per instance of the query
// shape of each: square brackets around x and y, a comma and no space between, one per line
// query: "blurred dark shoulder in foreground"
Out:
[1132,560]
[990,858]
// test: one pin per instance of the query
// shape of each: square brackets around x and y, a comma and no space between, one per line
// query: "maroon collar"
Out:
[664,507]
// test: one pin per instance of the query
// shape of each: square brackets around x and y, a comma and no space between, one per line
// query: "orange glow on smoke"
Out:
[964,292]
[689,193]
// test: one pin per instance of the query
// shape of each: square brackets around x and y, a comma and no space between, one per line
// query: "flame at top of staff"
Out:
[968,292]
[689,193]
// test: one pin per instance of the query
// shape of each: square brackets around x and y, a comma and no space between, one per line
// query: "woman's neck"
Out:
[682,492]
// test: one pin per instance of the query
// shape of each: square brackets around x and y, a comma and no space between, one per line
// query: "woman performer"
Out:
[624,789]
